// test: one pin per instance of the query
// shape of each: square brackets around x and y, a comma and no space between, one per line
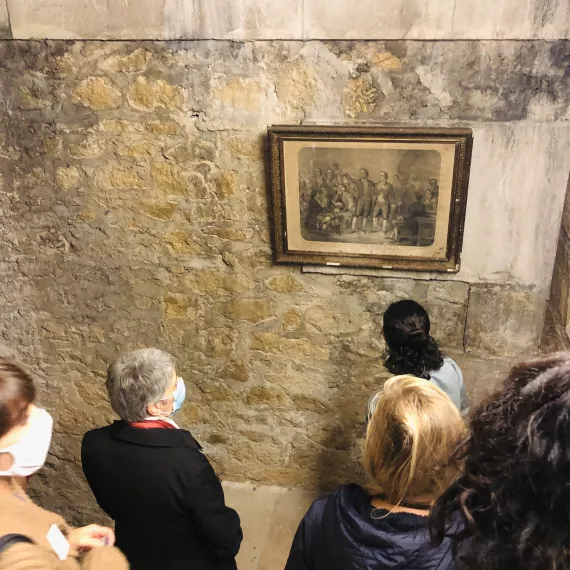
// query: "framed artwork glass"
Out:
[391,198]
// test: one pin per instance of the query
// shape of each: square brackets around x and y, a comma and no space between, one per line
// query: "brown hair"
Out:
[412,434]
[17,392]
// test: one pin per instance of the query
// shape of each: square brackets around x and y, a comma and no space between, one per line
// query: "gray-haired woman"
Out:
[151,477]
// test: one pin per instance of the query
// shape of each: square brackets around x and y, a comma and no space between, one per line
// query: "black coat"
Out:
[343,532]
[167,503]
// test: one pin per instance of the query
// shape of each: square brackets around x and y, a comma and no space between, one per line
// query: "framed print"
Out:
[391,198]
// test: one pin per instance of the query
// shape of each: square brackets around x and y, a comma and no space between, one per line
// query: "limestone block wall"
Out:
[133,190]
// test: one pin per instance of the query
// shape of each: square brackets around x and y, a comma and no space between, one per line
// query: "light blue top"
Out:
[448,378]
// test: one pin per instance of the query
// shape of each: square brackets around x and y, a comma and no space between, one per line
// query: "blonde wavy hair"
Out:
[413,430]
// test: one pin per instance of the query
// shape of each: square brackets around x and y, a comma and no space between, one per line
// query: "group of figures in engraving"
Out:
[337,204]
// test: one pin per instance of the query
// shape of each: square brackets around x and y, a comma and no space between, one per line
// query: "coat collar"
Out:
[153,437]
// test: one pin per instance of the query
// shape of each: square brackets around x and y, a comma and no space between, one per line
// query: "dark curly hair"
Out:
[409,347]
[513,496]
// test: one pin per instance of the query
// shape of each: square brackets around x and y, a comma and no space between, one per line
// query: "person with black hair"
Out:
[513,492]
[411,350]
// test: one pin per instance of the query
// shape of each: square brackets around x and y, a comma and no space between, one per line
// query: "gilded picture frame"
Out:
[390,198]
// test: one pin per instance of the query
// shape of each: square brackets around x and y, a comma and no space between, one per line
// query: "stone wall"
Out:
[134,201]
[556,334]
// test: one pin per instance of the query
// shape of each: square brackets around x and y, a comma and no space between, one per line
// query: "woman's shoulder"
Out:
[20,515]
[449,368]
[347,493]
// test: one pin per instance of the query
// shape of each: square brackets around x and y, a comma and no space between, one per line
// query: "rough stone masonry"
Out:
[133,190]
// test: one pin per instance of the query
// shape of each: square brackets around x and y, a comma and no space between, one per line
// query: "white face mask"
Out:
[29,454]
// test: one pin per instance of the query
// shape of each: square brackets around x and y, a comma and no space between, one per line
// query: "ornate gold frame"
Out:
[463,140]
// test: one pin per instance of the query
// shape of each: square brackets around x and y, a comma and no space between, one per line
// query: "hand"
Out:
[91,536]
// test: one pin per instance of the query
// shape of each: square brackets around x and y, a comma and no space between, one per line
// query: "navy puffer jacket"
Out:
[344,532]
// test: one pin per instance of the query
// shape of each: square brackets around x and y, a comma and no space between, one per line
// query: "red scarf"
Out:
[152,424]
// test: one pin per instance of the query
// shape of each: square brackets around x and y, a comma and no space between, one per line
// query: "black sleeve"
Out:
[218,524]
[298,555]
[89,470]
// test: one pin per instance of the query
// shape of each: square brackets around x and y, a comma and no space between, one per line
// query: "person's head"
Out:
[429,195]
[335,166]
[513,492]
[383,177]
[363,173]
[412,434]
[418,196]
[25,430]
[409,347]
[330,173]
[143,384]
[433,182]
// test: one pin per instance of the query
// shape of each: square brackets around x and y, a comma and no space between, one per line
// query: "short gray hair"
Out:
[137,379]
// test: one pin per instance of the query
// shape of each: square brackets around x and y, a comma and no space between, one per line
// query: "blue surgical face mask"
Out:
[179,395]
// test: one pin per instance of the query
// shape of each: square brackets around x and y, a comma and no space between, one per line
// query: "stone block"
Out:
[245,147]
[135,61]
[68,19]
[91,146]
[291,320]
[288,347]
[266,395]
[145,95]
[436,19]
[539,19]
[242,20]
[5,30]
[504,322]
[560,286]
[502,239]
[98,93]
[217,342]
[182,242]
[226,184]
[116,176]
[266,546]
[284,284]
[170,179]
[250,310]
[67,177]
[235,370]
[447,303]
[214,282]
[483,376]
[163,210]
[370,20]
[226,233]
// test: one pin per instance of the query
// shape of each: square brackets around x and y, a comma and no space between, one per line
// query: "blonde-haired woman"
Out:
[412,433]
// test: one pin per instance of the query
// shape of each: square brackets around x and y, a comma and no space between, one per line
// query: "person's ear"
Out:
[153,410]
